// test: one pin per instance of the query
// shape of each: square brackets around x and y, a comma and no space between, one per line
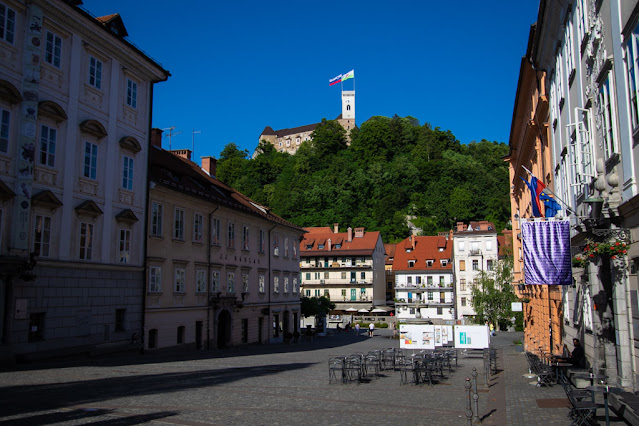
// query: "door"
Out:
[198,335]
[353,294]
[223,329]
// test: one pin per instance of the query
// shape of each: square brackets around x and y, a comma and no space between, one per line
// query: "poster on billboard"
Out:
[447,334]
[417,336]
[438,335]
[472,336]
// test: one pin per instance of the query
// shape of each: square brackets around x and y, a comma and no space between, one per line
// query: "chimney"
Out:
[209,165]
[350,234]
[359,232]
[184,153]
[156,137]
[330,244]
[450,235]
[412,241]
[335,228]
[460,227]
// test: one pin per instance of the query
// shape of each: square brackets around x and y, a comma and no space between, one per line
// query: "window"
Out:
[475,265]
[198,226]
[36,320]
[429,281]
[327,294]
[489,265]
[276,245]
[343,275]
[411,263]
[215,281]
[462,284]
[439,310]
[86,241]
[409,280]
[568,47]
[125,246]
[42,235]
[230,282]
[294,285]
[276,285]
[180,280]
[48,136]
[215,232]
[285,284]
[245,237]
[7,23]
[261,280]
[156,219]
[5,119]
[155,279]
[231,235]
[429,263]
[606,112]
[308,276]
[295,249]
[53,49]
[127,173]
[262,241]
[461,246]
[582,20]
[343,292]
[131,93]
[308,293]
[90,160]
[326,275]
[286,247]
[632,70]
[462,265]
[245,283]
[441,280]
[429,295]
[362,275]
[95,72]
[178,224]
[120,316]
[200,284]
[463,301]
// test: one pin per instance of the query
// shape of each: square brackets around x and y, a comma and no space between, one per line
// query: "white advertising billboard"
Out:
[472,336]
[417,336]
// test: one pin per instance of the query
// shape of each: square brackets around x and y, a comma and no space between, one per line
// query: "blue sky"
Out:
[240,66]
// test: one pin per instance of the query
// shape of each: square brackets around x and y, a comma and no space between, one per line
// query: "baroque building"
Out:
[75,110]
[221,269]
[588,51]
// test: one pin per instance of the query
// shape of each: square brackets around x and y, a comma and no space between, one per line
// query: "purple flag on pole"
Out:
[547,258]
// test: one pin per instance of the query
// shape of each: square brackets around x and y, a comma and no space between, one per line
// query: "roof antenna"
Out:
[171,133]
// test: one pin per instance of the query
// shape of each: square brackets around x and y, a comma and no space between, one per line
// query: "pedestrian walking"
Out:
[357,329]
[371,329]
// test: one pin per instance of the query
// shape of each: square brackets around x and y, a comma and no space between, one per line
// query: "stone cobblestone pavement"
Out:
[267,385]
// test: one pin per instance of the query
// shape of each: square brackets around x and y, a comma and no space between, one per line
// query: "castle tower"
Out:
[348,110]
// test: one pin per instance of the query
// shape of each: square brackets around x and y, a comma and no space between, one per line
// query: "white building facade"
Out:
[75,105]
[475,251]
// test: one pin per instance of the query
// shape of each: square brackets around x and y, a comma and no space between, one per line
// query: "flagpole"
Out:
[551,191]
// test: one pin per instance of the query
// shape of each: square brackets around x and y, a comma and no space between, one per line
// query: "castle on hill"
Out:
[289,140]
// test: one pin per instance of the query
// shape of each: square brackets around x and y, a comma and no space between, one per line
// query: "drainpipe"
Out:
[208,287]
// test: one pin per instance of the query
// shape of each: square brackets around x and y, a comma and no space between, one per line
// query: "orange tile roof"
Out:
[358,246]
[426,248]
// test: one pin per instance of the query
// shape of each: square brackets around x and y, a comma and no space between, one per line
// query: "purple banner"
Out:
[547,258]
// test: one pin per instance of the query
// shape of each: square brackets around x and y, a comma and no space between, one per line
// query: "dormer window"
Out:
[444,262]
[320,246]
[337,246]
[309,246]
[408,250]
[411,263]
[429,263]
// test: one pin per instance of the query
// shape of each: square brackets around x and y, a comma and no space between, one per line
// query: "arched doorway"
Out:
[223,329]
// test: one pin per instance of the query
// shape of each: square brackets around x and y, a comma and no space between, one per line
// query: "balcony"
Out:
[475,252]
[431,286]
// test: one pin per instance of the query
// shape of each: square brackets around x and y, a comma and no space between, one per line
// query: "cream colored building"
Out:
[221,269]
[75,111]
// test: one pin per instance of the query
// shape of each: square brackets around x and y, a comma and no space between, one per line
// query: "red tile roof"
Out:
[359,246]
[292,131]
[426,248]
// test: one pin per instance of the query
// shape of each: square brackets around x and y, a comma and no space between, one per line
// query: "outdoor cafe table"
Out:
[606,389]
[560,367]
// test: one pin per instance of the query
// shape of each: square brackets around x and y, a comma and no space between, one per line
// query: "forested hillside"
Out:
[394,167]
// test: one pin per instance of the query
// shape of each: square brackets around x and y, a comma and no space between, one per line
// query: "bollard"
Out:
[487,375]
[469,407]
[475,396]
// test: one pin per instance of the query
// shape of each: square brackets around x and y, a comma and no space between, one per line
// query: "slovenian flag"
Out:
[350,74]
[335,80]
[536,188]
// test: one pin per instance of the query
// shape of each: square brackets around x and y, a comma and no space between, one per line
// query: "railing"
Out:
[475,252]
